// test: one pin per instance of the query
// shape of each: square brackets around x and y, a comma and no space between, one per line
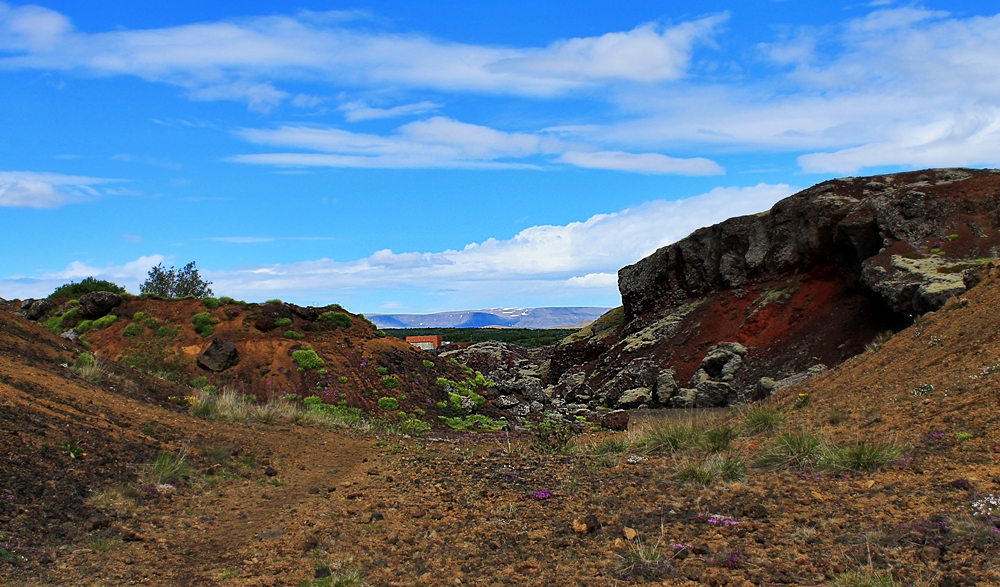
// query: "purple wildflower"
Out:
[10,497]
[540,495]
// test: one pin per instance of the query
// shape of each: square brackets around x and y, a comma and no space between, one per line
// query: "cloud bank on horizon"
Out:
[386,122]
[574,257]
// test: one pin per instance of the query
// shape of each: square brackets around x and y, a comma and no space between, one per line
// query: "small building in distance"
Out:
[428,343]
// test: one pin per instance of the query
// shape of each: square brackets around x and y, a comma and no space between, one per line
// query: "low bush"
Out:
[390,382]
[132,329]
[291,334]
[283,322]
[337,318]
[204,324]
[472,423]
[86,286]
[381,370]
[412,426]
[84,327]
[307,359]
[389,404]
[428,364]
[102,323]
[211,303]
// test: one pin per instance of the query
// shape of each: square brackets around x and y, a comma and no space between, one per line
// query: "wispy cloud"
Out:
[243,59]
[443,142]
[580,255]
[642,162]
[26,189]
[358,111]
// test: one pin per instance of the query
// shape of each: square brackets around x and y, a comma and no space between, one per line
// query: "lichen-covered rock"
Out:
[506,401]
[714,394]
[666,387]
[684,398]
[633,398]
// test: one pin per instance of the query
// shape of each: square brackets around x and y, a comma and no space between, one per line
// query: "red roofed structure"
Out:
[427,343]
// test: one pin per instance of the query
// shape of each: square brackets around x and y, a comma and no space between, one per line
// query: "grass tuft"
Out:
[866,578]
[670,437]
[792,449]
[861,457]
[763,419]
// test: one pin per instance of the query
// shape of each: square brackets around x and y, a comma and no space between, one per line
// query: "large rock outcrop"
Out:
[808,282]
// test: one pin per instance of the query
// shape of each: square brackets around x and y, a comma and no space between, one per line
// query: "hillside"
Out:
[272,504]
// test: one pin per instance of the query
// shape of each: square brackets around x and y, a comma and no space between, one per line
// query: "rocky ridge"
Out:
[723,315]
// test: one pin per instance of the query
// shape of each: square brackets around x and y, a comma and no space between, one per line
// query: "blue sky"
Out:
[419,157]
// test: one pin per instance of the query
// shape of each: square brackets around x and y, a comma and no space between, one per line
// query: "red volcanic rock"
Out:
[807,283]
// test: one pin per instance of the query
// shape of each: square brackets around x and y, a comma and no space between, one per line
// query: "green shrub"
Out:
[152,323]
[291,334]
[763,419]
[132,329]
[203,323]
[85,360]
[428,364]
[138,316]
[390,382]
[342,379]
[275,302]
[412,426]
[338,318]
[211,303]
[388,404]
[860,457]
[167,331]
[474,423]
[797,448]
[381,370]
[283,322]
[338,412]
[83,327]
[86,286]
[961,437]
[322,372]
[307,359]
[55,323]
[199,382]
[102,323]
[379,334]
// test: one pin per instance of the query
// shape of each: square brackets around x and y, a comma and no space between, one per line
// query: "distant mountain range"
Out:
[496,317]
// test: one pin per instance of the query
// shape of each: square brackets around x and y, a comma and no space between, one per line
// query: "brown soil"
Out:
[467,510]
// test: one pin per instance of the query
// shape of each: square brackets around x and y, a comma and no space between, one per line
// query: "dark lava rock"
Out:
[98,304]
[219,356]
[270,471]
[306,313]
[264,324]
[37,308]
[616,420]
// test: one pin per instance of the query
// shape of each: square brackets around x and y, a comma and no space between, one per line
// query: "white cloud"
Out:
[443,142]
[242,59]
[358,111]
[642,162]
[543,260]
[129,276]
[25,189]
